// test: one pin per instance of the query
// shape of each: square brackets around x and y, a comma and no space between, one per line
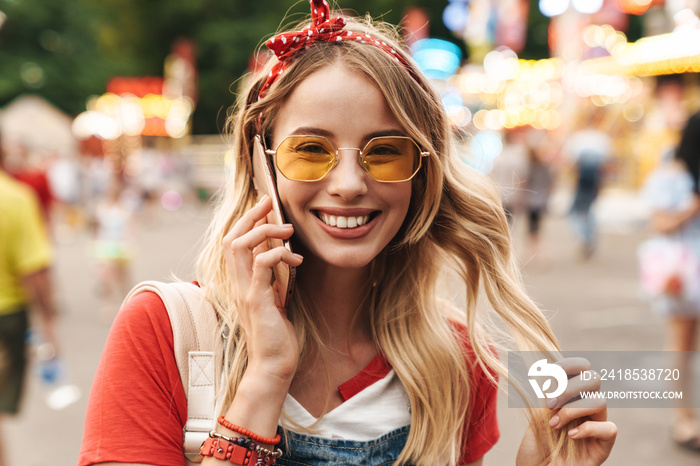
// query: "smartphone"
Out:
[283,274]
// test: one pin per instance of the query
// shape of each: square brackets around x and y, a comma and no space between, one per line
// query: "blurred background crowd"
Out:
[113,114]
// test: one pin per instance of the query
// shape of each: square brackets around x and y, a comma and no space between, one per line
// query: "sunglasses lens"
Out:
[391,158]
[305,158]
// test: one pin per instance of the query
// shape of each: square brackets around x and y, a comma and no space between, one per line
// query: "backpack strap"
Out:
[193,320]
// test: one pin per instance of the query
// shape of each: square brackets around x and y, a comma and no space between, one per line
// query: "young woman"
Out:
[366,365]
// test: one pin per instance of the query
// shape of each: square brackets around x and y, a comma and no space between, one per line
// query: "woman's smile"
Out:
[342,221]
[347,224]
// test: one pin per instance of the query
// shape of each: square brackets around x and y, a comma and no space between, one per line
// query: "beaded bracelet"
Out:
[238,450]
[225,450]
[247,433]
[241,441]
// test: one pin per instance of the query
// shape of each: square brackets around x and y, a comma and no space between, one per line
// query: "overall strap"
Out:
[193,321]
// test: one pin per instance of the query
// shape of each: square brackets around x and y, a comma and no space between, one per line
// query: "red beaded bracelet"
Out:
[247,433]
[224,450]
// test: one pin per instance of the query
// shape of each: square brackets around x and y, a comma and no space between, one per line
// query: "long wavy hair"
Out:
[455,217]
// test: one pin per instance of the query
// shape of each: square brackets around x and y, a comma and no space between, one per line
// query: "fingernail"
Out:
[287,225]
[554,421]
[573,432]
[260,201]
[551,403]
[299,256]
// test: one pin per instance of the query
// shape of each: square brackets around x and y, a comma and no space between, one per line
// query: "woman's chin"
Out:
[340,260]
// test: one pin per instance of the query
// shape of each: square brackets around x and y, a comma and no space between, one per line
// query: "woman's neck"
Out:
[339,295]
[339,298]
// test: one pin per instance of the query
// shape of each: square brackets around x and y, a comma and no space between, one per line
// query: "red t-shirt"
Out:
[137,406]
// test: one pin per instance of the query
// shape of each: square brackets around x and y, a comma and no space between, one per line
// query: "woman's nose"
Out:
[348,179]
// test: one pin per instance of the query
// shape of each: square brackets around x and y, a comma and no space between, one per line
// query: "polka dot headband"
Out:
[322,29]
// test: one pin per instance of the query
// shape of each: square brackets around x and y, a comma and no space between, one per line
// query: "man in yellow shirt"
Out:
[25,279]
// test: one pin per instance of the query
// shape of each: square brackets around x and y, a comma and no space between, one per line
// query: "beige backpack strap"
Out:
[193,320]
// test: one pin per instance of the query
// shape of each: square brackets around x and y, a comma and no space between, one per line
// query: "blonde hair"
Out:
[455,215]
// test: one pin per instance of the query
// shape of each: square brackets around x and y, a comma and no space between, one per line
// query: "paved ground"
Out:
[593,306]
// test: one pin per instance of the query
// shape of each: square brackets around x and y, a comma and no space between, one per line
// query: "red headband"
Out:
[322,29]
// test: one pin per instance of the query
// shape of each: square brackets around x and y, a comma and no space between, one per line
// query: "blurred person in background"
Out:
[97,173]
[672,192]
[537,188]
[64,174]
[152,178]
[510,170]
[25,281]
[589,149]
[113,246]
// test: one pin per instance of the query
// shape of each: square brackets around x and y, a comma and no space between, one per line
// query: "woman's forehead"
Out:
[335,99]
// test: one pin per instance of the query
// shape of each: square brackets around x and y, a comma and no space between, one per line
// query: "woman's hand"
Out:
[596,433]
[273,349]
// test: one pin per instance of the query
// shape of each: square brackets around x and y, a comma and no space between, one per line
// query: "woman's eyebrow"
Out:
[310,130]
[388,132]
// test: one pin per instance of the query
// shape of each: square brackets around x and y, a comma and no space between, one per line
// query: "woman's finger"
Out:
[263,246]
[249,219]
[595,409]
[574,387]
[574,366]
[264,264]
[603,431]
[599,437]
[252,218]
[247,238]
[259,235]
[244,249]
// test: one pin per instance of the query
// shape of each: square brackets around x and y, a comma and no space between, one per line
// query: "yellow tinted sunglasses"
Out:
[389,159]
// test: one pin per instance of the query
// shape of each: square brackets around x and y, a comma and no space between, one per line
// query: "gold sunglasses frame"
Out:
[422,153]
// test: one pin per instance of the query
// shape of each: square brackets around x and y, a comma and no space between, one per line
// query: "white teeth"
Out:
[344,222]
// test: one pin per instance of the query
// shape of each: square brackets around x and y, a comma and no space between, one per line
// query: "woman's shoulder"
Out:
[142,329]
[143,309]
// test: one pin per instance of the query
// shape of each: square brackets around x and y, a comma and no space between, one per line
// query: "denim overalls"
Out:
[381,413]
[301,449]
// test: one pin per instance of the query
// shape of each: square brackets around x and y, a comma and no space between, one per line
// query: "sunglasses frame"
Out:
[422,154]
